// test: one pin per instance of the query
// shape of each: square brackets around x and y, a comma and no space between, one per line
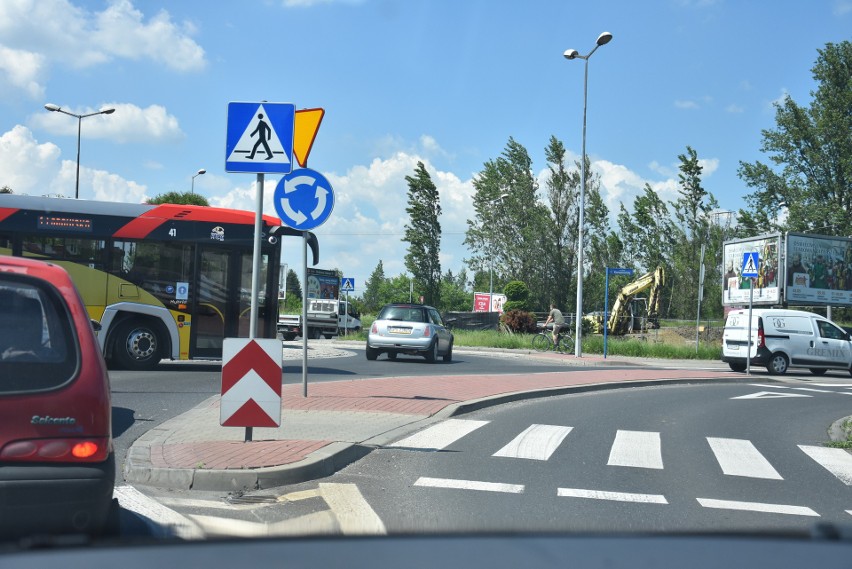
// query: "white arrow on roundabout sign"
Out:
[303,199]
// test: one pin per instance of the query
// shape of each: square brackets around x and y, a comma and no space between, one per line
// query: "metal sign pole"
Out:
[606,307]
[750,301]
[255,269]
[305,314]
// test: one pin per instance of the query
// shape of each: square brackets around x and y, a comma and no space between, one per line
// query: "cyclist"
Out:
[558,320]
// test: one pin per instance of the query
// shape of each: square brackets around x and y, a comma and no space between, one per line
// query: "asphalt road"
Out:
[675,484]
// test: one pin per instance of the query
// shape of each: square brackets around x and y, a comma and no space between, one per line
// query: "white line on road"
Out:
[757,507]
[639,449]
[440,436]
[612,496]
[470,485]
[537,442]
[835,460]
[814,390]
[739,457]
[165,522]
[353,513]
[773,386]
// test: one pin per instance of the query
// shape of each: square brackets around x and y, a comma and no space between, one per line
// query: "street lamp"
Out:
[57,109]
[491,264]
[603,39]
[200,172]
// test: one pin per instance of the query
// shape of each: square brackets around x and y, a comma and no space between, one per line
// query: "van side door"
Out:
[832,346]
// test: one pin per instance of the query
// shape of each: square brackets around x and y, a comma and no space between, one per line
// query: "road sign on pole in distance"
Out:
[751,264]
[260,138]
[347,284]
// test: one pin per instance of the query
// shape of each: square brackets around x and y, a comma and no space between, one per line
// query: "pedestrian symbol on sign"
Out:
[751,264]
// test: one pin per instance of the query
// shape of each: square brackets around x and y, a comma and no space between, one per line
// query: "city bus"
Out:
[163,281]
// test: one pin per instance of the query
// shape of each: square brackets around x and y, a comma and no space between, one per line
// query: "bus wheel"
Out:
[137,345]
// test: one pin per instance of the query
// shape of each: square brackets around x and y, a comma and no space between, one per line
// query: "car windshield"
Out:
[396,267]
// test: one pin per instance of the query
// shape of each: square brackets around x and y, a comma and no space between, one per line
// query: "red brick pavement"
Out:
[225,455]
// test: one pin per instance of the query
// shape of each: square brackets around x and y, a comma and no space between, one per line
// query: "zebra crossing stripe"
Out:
[612,496]
[757,507]
[835,460]
[639,449]
[469,485]
[739,457]
[536,442]
[440,436]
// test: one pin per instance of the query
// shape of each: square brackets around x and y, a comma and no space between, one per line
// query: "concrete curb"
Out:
[331,458]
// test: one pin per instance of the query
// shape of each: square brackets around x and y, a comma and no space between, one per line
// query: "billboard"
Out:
[735,287]
[819,270]
[480,302]
[323,284]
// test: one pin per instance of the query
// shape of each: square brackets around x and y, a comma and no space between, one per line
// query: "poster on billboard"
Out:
[480,302]
[819,270]
[322,284]
[735,287]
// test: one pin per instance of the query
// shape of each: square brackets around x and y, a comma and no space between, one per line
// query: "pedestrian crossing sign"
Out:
[751,264]
[260,138]
[347,285]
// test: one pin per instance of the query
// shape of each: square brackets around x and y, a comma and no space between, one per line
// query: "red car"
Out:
[57,467]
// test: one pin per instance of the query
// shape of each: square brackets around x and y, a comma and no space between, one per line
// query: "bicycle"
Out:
[543,340]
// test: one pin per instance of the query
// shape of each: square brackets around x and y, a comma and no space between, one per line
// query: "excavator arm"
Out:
[618,325]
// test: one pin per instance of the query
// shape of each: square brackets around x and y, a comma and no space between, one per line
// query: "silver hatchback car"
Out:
[412,329]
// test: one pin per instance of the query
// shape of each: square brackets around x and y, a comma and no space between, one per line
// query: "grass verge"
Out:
[847,431]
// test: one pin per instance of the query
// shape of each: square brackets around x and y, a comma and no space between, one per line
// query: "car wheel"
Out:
[818,371]
[448,357]
[778,364]
[391,355]
[289,337]
[432,354]
[372,353]
[137,345]
[737,366]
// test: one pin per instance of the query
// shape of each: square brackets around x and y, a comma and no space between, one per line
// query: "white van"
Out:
[781,339]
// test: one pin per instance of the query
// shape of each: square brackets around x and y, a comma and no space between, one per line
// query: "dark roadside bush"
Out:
[519,321]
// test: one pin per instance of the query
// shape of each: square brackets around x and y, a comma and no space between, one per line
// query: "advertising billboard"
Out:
[480,302]
[735,287]
[819,270]
[323,283]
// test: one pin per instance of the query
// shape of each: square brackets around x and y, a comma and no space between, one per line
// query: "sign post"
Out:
[259,140]
[347,285]
[750,270]
[610,271]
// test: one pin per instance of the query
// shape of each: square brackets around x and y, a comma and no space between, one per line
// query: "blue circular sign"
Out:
[303,199]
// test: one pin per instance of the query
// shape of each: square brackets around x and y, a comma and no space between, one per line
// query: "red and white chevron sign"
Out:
[251,383]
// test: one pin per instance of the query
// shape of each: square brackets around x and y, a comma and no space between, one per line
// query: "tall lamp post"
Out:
[200,172]
[491,263]
[603,39]
[57,109]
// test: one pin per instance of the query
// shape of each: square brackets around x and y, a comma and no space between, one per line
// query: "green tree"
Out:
[182,198]
[6,190]
[811,149]
[293,288]
[563,187]
[372,290]
[397,289]
[689,230]
[455,296]
[423,234]
[517,296]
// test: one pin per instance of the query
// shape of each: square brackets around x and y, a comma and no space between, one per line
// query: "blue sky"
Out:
[446,82]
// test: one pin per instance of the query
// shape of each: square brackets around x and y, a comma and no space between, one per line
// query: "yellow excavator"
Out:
[621,319]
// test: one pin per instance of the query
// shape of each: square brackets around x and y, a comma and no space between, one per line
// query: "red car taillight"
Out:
[374,329]
[56,450]
[427,331]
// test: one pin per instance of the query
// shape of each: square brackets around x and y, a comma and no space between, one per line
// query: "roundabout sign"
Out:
[303,199]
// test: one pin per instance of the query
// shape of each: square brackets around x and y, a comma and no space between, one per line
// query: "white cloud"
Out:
[129,123]
[734,109]
[842,7]
[36,35]
[22,69]
[686,104]
[29,167]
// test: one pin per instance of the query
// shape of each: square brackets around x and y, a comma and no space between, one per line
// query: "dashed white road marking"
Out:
[739,457]
[612,496]
[835,460]
[353,513]
[757,507]
[639,449]
[469,485]
[165,522]
[441,435]
[536,442]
